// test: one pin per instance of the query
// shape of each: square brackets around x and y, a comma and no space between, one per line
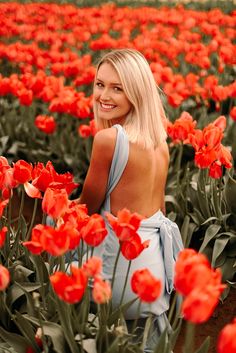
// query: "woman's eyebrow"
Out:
[112,83]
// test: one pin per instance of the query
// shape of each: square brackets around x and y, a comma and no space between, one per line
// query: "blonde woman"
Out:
[128,169]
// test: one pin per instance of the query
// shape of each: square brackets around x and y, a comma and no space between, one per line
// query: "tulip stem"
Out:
[125,284]
[32,219]
[114,269]
[189,338]
[21,206]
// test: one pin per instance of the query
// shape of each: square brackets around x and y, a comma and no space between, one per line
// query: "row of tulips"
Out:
[198,283]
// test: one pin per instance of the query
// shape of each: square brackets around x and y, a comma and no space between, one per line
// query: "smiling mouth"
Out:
[107,106]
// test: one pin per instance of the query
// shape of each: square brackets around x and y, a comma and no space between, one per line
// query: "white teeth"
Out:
[107,106]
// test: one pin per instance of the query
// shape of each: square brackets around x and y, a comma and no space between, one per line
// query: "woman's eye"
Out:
[117,89]
[99,84]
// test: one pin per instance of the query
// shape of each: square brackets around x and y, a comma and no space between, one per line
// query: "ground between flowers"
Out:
[223,314]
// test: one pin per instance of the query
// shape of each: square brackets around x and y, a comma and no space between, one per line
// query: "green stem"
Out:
[138,315]
[32,219]
[172,308]
[21,205]
[114,269]
[125,284]
[178,163]
[189,338]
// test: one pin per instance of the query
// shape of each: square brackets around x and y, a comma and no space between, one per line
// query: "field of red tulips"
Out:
[48,56]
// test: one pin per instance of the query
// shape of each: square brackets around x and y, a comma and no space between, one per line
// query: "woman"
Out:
[128,169]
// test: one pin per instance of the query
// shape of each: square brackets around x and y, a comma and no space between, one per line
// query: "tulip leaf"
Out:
[228,270]
[16,291]
[41,268]
[162,344]
[117,313]
[26,330]
[54,331]
[175,333]
[219,246]
[210,234]
[15,341]
[204,348]
[187,230]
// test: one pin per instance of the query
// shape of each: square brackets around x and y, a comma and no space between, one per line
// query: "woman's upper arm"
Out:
[95,184]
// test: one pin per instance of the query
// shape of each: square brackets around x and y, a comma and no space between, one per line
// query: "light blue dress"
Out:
[159,257]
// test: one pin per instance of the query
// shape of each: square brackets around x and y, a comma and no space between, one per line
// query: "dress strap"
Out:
[119,160]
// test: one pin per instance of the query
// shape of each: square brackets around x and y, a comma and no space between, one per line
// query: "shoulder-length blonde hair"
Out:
[145,122]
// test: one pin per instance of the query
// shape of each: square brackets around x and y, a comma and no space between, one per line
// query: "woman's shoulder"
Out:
[163,151]
[105,140]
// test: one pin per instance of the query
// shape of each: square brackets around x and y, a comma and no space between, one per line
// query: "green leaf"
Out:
[41,268]
[16,291]
[210,234]
[228,270]
[175,333]
[115,315]
[15,341]
[54,331]
[204,348]
[187,230]
[162,343]
[26,330]
[219,246]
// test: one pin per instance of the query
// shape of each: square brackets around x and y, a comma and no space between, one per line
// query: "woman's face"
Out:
[110,101]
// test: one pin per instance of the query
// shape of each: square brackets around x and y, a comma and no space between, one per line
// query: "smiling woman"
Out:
[128,170]
[110,101]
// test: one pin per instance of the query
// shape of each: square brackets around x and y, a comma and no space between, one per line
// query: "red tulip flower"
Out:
[101,291]
[22,171]
[45,123]
[132,248]
[226,341]
[55,202]
[2,206]
[126,224]
[145,285]
[4,278]
[3,233]
[93,266]
[69,288]
[94,232]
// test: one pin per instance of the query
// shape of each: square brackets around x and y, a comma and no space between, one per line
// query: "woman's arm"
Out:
[95,184]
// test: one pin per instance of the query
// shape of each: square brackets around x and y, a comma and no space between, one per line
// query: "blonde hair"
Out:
[145,122]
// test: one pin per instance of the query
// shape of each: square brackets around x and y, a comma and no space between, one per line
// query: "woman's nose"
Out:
[105,95]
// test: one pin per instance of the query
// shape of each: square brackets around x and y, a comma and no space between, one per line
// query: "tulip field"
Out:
[48,57]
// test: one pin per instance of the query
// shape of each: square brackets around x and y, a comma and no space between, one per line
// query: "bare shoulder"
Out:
[163,151]
[104,141]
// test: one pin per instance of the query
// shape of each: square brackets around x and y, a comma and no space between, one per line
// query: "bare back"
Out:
[142,184]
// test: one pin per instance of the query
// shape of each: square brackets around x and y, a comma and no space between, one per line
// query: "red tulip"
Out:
[101,291]
[45,123]
[145,285]
[22,171]
[132,248]
[126,224]
[199,305]
[93,266]
[94,232]
[55,202]
[69,288]
[226,340]
[4,278]
[3,233]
